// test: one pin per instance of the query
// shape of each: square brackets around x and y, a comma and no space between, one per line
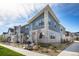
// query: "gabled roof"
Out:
[11,29]
[4,32]
[39,13]
[24,25]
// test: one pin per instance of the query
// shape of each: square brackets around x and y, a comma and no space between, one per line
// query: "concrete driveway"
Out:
[72,50]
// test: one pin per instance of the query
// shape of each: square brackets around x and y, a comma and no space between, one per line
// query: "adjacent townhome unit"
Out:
[25,33]
[69,36]
[5,36]
[76,35]
[11,35]
[21,34]
[17,30]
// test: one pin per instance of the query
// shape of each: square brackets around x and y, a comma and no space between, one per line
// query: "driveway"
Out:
[72,50]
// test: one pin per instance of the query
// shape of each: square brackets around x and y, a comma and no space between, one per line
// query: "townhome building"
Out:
[69,36]
[44,27]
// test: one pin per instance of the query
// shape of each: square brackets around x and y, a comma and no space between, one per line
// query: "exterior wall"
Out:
[54,37]
[30,33]
[69,37]
[53,24]
[18,34]
[25,33]
[35,35]
[35,32]
[46,24]
[11,36]
[62,31]
[48,30]
[56,29]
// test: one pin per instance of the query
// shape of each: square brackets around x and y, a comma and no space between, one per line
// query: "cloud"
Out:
[17,13]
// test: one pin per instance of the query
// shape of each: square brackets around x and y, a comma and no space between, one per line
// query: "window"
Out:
[41,23]
[41,36]
[61,30]
[52,37]
[49,23]
[55,26]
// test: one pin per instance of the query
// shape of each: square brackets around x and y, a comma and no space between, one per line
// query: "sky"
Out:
[13,14]
[68,14]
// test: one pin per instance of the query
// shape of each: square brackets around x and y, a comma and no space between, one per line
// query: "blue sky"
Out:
[12,14]
[68,14]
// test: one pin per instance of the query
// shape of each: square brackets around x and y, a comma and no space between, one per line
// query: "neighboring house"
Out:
[76,35]
[11,35]
[69,36]
[5,36]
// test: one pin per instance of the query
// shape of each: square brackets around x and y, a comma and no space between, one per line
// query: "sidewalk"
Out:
[72,50]
[23,51]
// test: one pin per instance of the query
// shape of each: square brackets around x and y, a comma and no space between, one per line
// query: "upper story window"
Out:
[53,24]
[41,22]
[38,23]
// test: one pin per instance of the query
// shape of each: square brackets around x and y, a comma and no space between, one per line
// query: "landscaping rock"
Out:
[45,50]
[35,47]
[49,50]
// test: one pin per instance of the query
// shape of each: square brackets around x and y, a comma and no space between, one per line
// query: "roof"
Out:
[24,25]
[4,32]
[11,29]
[41,11]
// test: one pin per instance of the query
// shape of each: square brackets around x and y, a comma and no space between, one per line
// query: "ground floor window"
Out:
[41,35]
[52,37]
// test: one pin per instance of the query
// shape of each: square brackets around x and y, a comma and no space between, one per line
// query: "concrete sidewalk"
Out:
[72,50]
[23,51]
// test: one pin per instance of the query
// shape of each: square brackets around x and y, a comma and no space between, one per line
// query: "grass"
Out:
[7,52]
